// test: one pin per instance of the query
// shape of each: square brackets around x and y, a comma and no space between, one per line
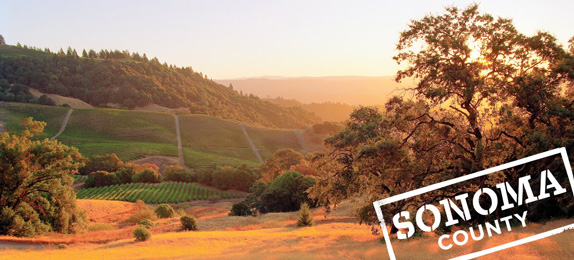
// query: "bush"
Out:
[178,173]
[188,223]
[142,234]
[305,218]
[164,211]
[147,176]
[100,179]
[62,246]
[108,163]
[240,209]
[146,223]
[141,215]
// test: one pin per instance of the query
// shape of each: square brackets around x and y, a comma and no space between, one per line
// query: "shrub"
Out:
[142,234]
[146,223]
[178,173]
[240,209]
[188,223]
[100,179]
[108,163]
[147,176]
[141,215]
[164,211]
[62,246]
[305,218]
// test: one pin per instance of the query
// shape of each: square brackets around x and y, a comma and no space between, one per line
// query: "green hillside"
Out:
[206,140]
[12,114]
[129,80]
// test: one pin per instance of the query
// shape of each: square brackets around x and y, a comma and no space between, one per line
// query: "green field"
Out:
[129,134]
[14,113]
[207,141]
[165,192]
[210,141]
[270,140]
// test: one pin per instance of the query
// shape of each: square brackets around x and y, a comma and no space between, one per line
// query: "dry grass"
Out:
[270,236]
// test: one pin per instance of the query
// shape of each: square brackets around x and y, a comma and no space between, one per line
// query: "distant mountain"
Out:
[352,90]
[132,80]
[328,111]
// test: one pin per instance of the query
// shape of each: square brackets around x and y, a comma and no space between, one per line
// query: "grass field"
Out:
[269,236]
[207,141]
[165,192]
[14,113]
[129,134]
[269,140]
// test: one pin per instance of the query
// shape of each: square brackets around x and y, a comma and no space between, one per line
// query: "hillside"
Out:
[129,79]
[134,135]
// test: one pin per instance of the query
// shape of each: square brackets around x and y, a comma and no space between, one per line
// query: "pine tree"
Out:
[305,218]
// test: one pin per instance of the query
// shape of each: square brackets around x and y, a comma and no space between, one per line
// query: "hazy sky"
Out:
[241,38]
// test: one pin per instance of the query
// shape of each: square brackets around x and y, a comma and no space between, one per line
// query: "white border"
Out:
[561,151]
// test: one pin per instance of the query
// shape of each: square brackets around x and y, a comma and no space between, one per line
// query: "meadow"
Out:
[14,113]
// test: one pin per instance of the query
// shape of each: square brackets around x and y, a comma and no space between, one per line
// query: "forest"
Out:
[124,79]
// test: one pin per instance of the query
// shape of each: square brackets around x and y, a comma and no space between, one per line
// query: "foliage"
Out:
[188,223]
[141,215]
[164,211]
[178,173]
[101,178]
[285,193]
[305,218]
[108,163]
[146,223]
[35,192]
[240,209]
[281,161]
[128,79]
[142,234]
[227,177]
[486,94]
[147,176]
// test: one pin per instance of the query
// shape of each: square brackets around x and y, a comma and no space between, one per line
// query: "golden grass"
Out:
[270,236]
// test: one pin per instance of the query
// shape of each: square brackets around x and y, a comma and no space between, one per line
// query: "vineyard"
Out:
[165,192]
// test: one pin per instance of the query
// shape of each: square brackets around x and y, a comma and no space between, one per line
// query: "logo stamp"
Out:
[473,213]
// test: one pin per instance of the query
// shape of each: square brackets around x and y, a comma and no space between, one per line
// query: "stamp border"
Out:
[561,151]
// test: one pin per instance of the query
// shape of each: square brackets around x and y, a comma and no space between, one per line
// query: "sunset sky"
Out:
[244,38]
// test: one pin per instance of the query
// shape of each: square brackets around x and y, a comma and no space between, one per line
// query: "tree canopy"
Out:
[35,184]
[485,94]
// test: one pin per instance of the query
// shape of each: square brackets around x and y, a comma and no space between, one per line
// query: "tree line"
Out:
[121,78]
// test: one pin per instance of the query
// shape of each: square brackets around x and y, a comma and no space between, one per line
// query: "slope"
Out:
[130,80]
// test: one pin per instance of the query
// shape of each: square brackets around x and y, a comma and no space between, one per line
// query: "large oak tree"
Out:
[485,94]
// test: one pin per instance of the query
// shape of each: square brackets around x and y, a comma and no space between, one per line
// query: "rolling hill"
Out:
[132,135]
[124,79]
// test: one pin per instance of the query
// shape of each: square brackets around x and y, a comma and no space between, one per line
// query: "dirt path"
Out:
[63,126]
[302,142]
[179,145]
[257,154]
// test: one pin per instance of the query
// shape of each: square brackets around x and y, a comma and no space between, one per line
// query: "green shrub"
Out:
[146,223]
[164,211]
[240,209]
[142,234]
[141,215]
[188,223]
[305,218]
[147,176]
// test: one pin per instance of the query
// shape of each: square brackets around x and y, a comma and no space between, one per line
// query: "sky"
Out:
[249,38]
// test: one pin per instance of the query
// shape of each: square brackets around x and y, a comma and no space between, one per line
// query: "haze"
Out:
[230,39]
